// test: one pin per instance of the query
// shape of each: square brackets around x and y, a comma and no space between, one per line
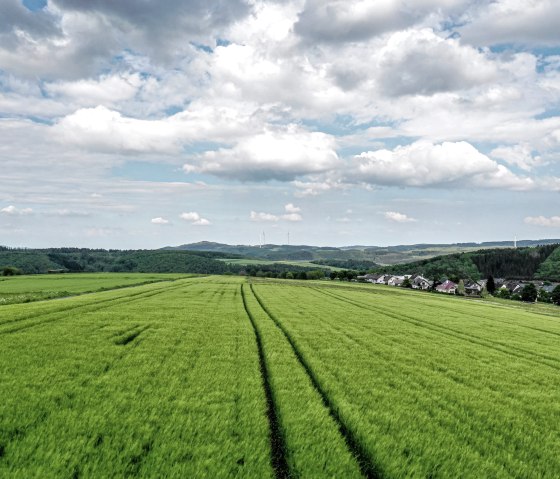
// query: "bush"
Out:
[10,271]
[529,293]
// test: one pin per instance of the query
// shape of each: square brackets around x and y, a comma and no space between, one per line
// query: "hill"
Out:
[333,256]
[539,262]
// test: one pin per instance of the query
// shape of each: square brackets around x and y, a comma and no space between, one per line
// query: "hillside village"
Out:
[506,289]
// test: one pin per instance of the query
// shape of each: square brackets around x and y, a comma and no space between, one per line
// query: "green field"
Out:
[303,264]
[221,377]
[23,289]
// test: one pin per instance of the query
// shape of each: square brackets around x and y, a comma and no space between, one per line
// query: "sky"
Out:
[337,122]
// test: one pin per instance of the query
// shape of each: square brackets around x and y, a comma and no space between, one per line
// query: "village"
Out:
[499,287]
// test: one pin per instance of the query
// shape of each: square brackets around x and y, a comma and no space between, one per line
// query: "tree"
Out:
[302,275]
[333,275]
[529,293]
[10,271]
[406,283]
[491,285]
[555,296]
[460,291]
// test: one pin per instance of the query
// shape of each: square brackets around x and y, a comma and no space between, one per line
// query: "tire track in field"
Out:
[277,441]
[367,466]
[61,313]
[136,461]
[517,352]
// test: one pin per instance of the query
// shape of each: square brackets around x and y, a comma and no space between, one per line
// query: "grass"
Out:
[27,288]
[221,377]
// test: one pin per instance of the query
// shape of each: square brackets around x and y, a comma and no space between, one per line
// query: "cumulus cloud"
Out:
[398,217]
[518,155]
[281,154]
[11,210]
[421,62]
[424,164]
[194,218]
[336,21]
[512,21]
[291,208]
[552,221]
[159,221]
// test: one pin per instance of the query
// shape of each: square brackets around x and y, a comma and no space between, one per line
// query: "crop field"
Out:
[23,289]
[225,377]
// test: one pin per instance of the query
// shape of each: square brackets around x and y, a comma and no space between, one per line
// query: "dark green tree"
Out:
[491,285]
[555,296]
[529,293]
[406,283]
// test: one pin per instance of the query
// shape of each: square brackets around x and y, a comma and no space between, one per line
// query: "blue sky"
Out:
[127,125]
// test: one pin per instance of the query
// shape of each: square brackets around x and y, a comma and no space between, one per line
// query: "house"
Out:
[419,282]
[447,286]
[473,288]
[395,280]
[383,279]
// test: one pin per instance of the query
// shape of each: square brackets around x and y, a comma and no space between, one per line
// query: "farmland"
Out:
[226,377]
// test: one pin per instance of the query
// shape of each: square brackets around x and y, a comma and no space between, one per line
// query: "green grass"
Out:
[221,377]
[23,289]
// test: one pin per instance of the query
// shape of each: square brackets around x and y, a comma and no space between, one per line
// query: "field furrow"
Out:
[313,437]
[400,385]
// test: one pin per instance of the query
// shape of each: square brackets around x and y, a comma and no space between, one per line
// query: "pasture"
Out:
[226,377]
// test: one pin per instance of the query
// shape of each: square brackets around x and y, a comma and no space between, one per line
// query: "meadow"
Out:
[26,288]
[231,377]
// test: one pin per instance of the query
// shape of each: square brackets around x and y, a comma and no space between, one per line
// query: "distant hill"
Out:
[32,261]
[333,256]
[538,262]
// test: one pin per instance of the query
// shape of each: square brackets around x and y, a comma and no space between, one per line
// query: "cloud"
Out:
[336,21]
[290,208]
[280,154]
[159,221]
[518,155]
[552,222]
[424,164]
[259,216]
[419,62]
[512,21]
[195,219]
[398,217]
[262,217]
[13,211]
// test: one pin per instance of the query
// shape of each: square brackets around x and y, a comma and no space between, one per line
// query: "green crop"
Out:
[219,377]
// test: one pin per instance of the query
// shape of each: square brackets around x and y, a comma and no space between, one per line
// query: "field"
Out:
[225,377]
[23,289]
[304,264]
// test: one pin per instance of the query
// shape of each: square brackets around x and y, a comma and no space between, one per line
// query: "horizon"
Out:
[257,245]
[136,126]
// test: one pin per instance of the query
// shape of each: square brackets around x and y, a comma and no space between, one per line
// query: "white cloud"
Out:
[518,155]
[553,221]
[159,221]
[290,208]
[281,154]
[292,217]
[106,90]
[421,62]
[259,216]
[512,21]
[398,217]
[13,211]
[424,164]
[195,219]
